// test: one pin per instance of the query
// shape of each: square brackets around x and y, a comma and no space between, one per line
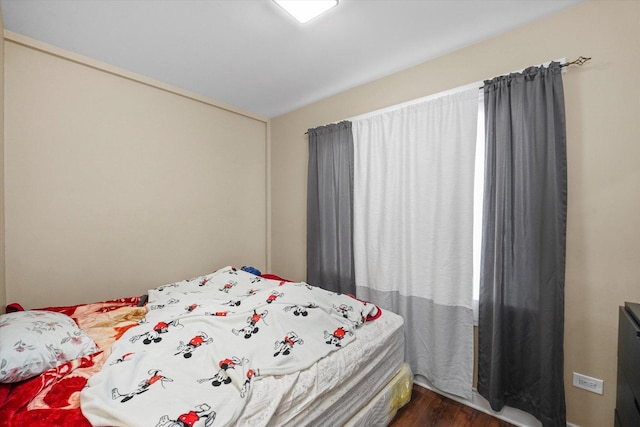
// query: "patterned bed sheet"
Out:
[53,398]
[207,341]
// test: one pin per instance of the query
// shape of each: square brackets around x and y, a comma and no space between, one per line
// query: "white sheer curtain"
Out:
[413,229]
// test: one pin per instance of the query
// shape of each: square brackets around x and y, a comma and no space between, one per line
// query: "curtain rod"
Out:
[580,62]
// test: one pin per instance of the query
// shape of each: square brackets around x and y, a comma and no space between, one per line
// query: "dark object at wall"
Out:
[628,393]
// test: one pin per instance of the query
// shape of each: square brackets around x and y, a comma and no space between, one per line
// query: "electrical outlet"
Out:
[591,384]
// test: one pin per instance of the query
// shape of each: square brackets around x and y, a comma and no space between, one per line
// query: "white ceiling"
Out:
[253,55]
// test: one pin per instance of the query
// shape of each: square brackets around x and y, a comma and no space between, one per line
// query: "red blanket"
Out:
[52,398]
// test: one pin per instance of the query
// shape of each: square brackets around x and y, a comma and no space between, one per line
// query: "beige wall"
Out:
[3,300]
[114,184]
[603,127]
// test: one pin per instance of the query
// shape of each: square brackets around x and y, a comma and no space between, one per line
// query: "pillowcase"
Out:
[32,342]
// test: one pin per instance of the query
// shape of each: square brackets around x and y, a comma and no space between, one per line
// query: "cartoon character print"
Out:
[274,296]
[190,308]
[343,309]
[222,377]
[122,358]
[217,313]
[228,286]
[285,346]
[256,279]
[144,385]
[249,377]
[171,301]
[233,303]
[204,281]
[300,310]
[187,349]
[154,334]
[252,324]
[337,336]
[189,419]
[163,287]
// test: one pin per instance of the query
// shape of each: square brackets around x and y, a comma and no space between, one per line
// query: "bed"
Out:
[227,348]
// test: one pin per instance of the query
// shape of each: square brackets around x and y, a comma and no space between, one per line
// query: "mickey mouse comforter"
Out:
[204,341]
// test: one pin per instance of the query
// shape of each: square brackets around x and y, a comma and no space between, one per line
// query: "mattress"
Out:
[328,392]
[383,407]
[333,389]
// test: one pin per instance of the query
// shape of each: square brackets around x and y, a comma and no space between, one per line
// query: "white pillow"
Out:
[32,342]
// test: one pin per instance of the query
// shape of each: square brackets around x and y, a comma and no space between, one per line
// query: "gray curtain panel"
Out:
[521,316]
[330,208]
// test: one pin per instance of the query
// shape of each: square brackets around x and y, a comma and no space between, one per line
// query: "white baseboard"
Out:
[509,414]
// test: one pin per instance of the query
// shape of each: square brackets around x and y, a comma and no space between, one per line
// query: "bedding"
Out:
[332,390]
[227,348]
[52,398]
[35,341]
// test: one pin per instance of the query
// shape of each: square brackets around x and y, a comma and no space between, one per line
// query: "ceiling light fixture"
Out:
[306,10]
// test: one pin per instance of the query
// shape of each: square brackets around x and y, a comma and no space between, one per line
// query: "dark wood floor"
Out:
[430,409]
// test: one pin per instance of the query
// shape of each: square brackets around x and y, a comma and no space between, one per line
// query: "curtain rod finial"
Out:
[580,61]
